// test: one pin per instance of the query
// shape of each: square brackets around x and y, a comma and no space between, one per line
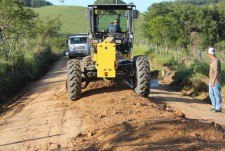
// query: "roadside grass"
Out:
[25,64]
[139,50]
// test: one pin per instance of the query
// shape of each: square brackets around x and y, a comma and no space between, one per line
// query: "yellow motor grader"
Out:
[110,52]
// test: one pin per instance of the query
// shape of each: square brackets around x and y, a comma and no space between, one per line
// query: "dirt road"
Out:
[192,108]
[108,117]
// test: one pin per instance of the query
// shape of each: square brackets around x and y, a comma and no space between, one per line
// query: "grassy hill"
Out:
[73,18]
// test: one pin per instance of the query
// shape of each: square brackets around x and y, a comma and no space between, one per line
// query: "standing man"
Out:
[215,81]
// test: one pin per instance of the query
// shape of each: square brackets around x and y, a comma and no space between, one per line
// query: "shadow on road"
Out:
[164,93]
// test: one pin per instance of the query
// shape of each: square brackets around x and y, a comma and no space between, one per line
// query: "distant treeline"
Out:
[35,3]
[183,25]
[200,2]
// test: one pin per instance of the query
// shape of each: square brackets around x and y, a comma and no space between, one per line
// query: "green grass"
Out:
[139,49]
[73,18]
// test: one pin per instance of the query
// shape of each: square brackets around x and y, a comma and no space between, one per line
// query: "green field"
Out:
[73,18]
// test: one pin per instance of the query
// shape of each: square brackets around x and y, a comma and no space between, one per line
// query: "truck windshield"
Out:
[78,40]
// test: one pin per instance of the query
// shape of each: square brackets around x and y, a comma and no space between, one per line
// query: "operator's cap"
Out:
[211,51]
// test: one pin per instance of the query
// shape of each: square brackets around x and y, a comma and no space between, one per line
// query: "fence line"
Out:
[177,54]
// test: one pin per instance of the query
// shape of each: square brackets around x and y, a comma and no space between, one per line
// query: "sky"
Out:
[141,5]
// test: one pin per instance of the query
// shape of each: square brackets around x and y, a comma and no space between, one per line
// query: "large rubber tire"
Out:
[86,61]
[142,79]
[74,80]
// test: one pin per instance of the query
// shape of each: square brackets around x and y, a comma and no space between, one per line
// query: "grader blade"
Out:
[154,78]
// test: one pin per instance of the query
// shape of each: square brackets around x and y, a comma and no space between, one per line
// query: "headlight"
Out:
[118,41]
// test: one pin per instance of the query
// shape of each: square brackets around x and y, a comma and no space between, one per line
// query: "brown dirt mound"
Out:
[118,119]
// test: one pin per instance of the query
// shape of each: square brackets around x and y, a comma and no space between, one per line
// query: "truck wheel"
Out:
[74,81]
[142,78]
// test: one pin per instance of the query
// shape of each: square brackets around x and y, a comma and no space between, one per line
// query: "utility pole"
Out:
[62,1]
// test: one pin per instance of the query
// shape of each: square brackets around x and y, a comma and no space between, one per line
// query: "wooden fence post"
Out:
[200,56]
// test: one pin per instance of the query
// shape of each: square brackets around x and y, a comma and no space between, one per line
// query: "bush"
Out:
[20,70]
[183,75]
[199,83]
[202,68]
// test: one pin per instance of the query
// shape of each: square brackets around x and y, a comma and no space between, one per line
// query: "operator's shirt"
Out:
[115,28]
[215,71]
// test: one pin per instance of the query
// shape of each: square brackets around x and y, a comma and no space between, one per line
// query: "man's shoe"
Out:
[218,111]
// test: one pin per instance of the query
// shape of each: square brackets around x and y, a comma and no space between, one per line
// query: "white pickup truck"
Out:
[78,46]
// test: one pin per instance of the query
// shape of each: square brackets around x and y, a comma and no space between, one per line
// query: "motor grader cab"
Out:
[111,52]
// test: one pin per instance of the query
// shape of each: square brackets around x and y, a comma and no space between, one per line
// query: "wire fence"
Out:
[177,54]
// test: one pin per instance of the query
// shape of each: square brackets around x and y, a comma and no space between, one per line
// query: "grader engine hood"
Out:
[105,58]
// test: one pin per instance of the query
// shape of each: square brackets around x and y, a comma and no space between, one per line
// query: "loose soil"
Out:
[110,116]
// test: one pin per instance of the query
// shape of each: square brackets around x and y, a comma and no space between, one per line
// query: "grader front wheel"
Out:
[74,80]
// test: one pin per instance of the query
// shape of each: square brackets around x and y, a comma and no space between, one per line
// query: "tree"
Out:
[162,30]
[15,21]
[200,2]
[35,3]
[190,24]
[18,23]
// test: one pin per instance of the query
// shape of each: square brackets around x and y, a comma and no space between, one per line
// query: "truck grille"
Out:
[74,48]
[81,47]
